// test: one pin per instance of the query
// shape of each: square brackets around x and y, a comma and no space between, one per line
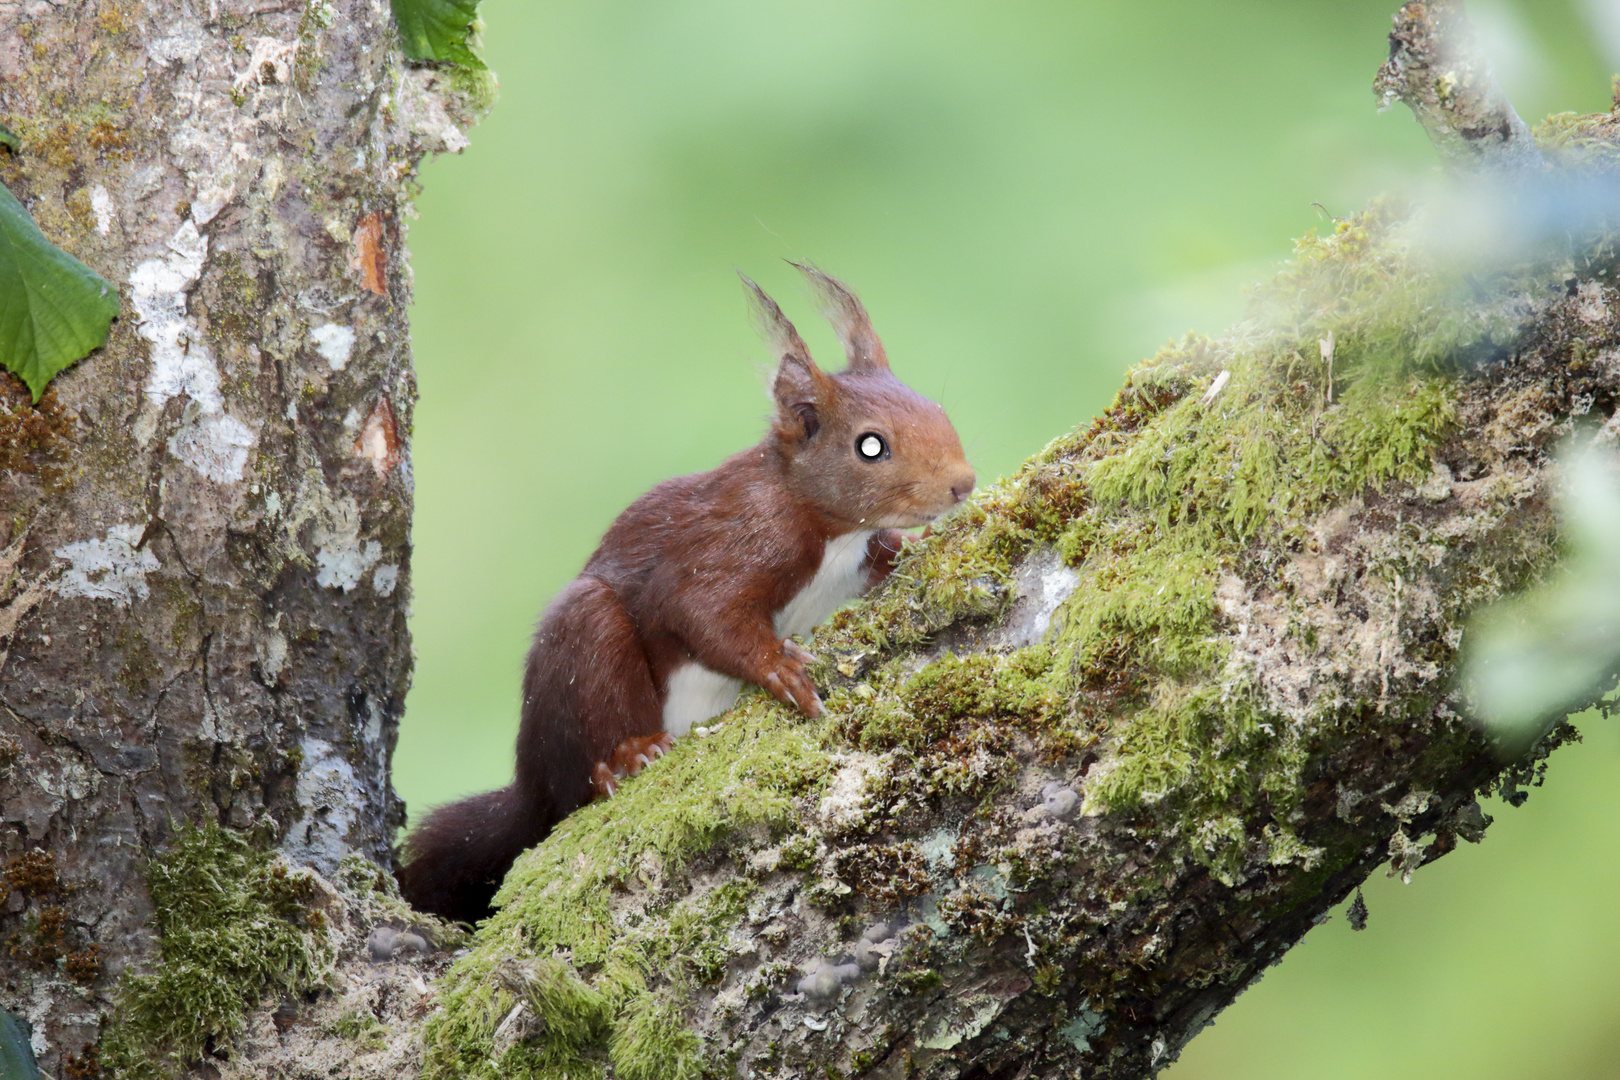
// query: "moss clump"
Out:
[234,925]
[33,873]
[43,936]
[361,1028]
[83,966]
[747,773]
[950,699]
[47,938]
[887,873]
[917,980]
[654,1042]
[1580,139]
[476,89]
[35,440]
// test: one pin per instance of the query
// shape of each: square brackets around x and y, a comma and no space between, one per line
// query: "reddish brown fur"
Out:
[695,570]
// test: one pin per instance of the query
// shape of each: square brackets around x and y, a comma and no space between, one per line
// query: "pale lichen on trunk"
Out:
[205,524]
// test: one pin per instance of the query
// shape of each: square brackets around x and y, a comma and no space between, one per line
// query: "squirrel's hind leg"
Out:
[592,667]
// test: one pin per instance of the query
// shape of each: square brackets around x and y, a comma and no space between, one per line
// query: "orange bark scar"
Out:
[366,255]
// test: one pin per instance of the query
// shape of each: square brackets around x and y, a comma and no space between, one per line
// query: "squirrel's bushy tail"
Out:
[460,853]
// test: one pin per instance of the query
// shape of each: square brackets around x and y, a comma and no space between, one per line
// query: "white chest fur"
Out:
[695,693]
[840,578]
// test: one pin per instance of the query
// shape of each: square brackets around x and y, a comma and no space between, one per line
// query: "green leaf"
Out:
[437,30]
[9,138]
[53,308]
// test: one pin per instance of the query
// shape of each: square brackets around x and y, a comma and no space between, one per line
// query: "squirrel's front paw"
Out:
[791,686]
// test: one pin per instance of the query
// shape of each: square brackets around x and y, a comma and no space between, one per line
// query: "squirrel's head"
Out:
[864,448]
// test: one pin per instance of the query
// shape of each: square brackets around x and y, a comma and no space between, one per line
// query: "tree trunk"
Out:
[204,526]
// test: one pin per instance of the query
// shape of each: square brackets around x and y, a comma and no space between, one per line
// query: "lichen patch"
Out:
[334,343]
[111,568]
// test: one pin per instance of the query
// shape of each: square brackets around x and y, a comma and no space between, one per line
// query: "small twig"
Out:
[1436,67]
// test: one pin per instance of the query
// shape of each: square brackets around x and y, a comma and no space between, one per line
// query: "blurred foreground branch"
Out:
[1436,67]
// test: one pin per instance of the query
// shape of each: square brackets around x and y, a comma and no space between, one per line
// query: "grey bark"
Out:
[204,526]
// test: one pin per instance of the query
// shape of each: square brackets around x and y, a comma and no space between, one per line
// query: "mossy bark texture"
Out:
[204,526]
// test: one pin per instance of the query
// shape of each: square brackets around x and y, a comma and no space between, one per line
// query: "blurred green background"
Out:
[1029,196]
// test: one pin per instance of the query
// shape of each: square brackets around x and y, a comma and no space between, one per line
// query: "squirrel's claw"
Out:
[603,782]
[791,686]
[793,650]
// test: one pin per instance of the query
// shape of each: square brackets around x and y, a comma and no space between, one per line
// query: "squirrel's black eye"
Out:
[872,446]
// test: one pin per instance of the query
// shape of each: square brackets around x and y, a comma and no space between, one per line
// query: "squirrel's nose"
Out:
[962,485]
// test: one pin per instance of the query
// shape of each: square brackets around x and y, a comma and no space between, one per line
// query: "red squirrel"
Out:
[697,588]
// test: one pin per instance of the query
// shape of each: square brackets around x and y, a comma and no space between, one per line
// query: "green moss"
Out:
[1575,139]
[950,698]
[569,1017]
[476,87]
[234,924]
[362,1028]
[747,773]
[654,1042]
[917,980]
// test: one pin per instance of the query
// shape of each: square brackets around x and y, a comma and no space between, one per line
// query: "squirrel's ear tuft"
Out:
[801,389]
[848,317]
[784,339]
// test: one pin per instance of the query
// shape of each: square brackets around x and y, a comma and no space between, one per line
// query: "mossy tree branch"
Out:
[1119,734]
[1113,740]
